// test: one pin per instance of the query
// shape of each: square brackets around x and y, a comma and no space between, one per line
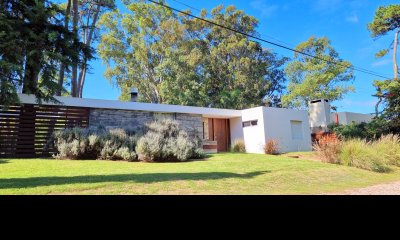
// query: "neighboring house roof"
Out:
[150,107]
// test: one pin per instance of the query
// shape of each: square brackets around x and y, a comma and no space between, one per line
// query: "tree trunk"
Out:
[74,77]
[82,77]
[377,107]
[31,75]
[82,74]
[395,66]
[62,66]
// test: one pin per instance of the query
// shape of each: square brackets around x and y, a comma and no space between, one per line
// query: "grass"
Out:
[220,174]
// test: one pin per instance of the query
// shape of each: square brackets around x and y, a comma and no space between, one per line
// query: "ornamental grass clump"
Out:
[362,154]
[328,149]
[389,147]
[239,146]
[271,147]
[375,155]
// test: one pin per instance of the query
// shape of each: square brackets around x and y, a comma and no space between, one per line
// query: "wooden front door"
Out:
[221,131]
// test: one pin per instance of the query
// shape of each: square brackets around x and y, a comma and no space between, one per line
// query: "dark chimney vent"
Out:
[134,94]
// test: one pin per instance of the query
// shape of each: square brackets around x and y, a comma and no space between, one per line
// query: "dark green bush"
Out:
[370,131]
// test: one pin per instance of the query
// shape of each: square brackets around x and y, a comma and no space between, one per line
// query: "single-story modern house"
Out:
[33,124]
[218,128]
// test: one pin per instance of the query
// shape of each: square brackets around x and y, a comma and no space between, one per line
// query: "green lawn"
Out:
[219,174]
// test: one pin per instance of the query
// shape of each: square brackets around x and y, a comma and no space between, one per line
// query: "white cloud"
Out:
[380,63]
[265,9]
[352,19]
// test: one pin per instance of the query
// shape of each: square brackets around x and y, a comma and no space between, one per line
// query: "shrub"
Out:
[328,149]
[117,145]
[361,154]
[239,146]
[166,141]
[73,143]
[90,143]
[271,147]
[370,131]
[388,146]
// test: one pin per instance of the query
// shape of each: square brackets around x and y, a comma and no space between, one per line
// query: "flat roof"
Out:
[138,106]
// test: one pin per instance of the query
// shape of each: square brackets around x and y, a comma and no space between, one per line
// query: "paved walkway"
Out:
[381,189]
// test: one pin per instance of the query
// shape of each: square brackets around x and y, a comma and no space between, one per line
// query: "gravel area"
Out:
[381,189]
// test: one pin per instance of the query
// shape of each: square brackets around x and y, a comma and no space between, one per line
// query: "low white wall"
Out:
[277,125]
[346,118]
[254,136]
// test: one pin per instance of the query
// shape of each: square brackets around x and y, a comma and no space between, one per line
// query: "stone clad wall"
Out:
[192,123]
[135,120]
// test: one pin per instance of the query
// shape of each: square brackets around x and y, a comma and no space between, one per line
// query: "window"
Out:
[250,123]
[297,129]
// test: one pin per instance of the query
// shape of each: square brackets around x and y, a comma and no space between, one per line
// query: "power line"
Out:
[264,35]
[269,42]
[187,5]
[289,45]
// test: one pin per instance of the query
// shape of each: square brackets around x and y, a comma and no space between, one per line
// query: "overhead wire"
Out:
[340,63]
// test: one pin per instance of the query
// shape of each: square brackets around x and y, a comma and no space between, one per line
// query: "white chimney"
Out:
[320,113]
[134,94]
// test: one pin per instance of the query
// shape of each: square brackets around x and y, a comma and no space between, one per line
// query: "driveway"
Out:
[381,189]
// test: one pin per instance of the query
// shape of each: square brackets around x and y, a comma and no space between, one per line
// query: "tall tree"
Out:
[386,20]
[134,47]
[31,48]
[180,60]
[312,78]
[75,19]
[62,65]
[90,12]
[235,71]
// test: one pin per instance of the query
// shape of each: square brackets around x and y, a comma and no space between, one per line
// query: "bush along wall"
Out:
[166,141]
[162,141]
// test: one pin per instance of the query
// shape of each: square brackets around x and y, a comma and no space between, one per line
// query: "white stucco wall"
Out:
[320,114]
[254,136]
[346,118]
[236,129]
[277,126]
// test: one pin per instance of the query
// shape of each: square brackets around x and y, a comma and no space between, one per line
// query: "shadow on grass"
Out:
[138,178]
[3,161]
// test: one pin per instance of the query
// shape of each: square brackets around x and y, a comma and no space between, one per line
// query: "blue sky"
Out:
[293,21]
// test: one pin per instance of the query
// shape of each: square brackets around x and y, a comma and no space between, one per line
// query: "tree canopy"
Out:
[312,78]
[387,19]
[176,59]
[33,42]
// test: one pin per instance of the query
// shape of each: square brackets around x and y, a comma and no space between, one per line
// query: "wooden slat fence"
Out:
[26,129]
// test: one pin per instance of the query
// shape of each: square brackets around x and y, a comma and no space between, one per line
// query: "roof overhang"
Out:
[137,106]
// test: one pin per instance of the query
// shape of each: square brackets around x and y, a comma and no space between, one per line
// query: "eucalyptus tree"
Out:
[178,59]
[325,75]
